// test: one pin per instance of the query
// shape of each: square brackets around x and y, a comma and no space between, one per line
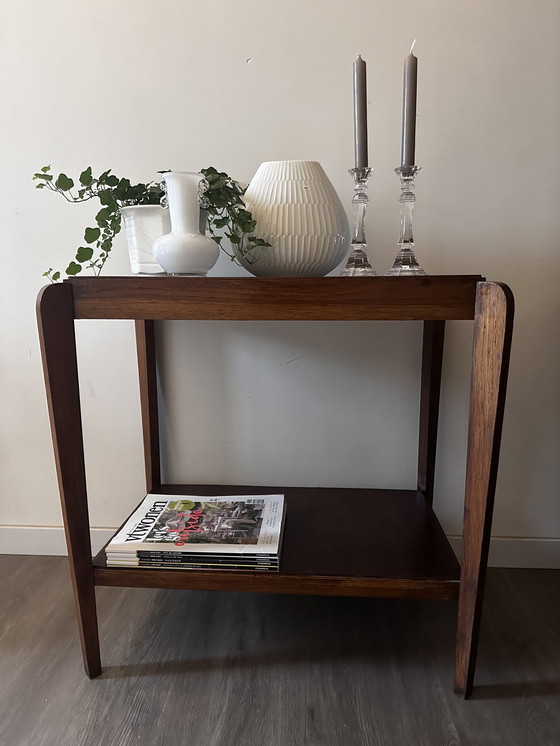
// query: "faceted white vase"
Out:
[185,251]
[300,214]
[143,224]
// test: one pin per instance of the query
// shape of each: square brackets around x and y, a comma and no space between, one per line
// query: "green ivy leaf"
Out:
[44,170]
[86,177]
[247,226]
[105,197]
[73,269]
[84,254]
[123,187]
[220,181]
[103,216]
[64,183]
[56,277]
[91,235]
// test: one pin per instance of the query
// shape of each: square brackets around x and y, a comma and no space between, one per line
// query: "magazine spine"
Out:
[195,566]
[206,558]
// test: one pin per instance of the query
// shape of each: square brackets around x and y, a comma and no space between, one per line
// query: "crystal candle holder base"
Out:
[405,262]
[358,264]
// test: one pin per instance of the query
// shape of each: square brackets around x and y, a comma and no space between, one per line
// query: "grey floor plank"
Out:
[222,669]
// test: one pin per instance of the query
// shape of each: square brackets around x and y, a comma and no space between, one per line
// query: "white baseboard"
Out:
[45,540]
[504,551]
[518,551]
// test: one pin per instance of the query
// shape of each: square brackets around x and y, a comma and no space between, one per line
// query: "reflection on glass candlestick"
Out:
[405,262]
[358,264]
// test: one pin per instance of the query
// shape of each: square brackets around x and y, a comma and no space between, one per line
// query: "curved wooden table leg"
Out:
[493,321]
[55,315]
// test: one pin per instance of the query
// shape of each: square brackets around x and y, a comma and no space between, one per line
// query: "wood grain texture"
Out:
[306,299]
[432,358]
[311,585]
[147,378]
[58,350]
[221,669]
[491,349]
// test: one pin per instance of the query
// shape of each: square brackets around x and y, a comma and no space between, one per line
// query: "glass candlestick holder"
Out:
[358,264]
[405,262]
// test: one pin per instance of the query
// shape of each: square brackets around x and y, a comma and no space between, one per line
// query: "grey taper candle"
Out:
[409,109]
[360,114]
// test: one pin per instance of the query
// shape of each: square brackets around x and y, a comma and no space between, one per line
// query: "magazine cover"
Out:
[233,524]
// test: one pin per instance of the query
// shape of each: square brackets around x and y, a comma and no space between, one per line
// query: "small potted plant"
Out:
[224,211]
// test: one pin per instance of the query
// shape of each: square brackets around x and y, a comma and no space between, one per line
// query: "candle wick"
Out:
[359,57]
[412,47]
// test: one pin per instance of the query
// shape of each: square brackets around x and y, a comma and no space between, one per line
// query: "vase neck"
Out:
[182,197]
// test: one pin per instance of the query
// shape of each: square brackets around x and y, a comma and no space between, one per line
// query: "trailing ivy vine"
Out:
[227,215]
[112,194]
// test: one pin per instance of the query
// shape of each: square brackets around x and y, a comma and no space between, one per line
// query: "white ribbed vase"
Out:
[143,224]
[300,214]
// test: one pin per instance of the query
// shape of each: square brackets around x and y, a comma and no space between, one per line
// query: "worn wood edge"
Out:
[44,298]
[295,281]
[262,582]
[473,576]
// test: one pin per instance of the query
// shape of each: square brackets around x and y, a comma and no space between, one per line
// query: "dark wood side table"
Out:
[398,549]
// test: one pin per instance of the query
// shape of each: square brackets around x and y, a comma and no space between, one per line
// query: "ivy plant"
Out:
[112,193]
[227,215]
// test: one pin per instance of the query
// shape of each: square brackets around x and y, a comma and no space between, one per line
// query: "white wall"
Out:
[136,87]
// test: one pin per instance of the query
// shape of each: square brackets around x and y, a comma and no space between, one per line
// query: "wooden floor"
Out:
[189,668]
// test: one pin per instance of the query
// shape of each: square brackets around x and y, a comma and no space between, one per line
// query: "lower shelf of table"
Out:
[345,542]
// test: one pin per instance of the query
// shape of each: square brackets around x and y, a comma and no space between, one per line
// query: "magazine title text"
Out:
[147,522]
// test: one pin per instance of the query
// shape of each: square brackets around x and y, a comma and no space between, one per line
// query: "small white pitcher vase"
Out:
[185,251]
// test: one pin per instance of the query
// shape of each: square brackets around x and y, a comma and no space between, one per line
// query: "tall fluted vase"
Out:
[299,213]
[185,251]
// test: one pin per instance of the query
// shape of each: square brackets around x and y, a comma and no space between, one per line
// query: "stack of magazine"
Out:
[231,532]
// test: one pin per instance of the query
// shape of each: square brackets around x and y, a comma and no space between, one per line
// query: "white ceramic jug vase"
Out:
[185,251]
